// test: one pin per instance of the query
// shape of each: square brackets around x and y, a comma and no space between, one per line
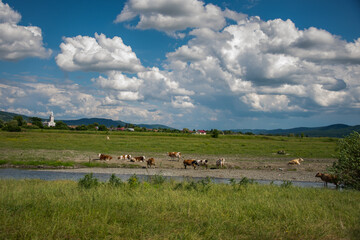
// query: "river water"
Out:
[12,173]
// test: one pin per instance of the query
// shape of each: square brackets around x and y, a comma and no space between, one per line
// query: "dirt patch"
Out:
[262,168]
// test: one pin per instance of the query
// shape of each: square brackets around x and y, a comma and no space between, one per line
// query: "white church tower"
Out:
[51,122]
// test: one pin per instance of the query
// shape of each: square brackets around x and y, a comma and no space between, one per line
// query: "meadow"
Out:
[35,209]
[56,148]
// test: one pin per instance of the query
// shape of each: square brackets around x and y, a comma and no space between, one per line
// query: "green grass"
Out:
[160,143]
[35,209]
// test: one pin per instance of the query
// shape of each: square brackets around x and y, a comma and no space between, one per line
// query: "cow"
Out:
[295,161]
[125,156]
[104,157]
[328,178]
[174,155]
[203,162]
[190,162]
[138,159]
[220,162]
[149,162]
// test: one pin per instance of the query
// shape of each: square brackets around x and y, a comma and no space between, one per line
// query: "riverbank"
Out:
[271,175]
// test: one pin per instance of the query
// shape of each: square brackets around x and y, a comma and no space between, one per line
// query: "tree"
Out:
[102,128]
[12,126]
[185,130]
[61,125]
[347,168]
[20,120]
[37,122]
[214,133]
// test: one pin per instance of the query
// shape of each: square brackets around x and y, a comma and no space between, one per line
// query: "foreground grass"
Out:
[34,209]
[53,146]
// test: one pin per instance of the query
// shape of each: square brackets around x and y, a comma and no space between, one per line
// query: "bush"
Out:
[114,181]
[215,133]
[157,179]
[88,181]
[347,168]
[133,181]
[12,126]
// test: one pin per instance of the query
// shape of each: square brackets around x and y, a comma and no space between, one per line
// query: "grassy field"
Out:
[34,209]
[54,147]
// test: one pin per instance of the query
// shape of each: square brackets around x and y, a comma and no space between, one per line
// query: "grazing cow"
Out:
[328,178]
[149,162]
[126,156]
[281,152]
[295,161]
[105,157]
[175,155]
[220,162]
[203,162]
[190,162]
[138,159]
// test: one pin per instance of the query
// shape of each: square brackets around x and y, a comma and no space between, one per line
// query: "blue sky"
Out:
[183,63]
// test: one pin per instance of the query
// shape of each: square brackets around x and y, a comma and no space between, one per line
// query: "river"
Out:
[13,173]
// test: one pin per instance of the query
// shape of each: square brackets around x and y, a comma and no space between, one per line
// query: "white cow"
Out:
[220,162]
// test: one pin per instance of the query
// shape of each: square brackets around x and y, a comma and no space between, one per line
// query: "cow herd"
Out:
[173,155]
[220,163]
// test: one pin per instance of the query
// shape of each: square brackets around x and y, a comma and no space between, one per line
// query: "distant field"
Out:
[34,209]
[46,146]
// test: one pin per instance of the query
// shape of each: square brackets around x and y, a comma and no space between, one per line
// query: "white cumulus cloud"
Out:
[18,42]
[174,15]
[83,53]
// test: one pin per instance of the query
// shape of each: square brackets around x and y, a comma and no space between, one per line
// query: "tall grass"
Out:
[34,209]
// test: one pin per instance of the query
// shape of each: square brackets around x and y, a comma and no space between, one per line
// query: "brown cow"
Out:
[105,157]
[328,178]
[190,162]
[295,161]
[174,155]
[138,159]
[149,162]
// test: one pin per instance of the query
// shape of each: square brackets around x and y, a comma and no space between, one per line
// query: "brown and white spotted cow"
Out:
[138,159]
[191,162]
[125,156]
[174,155]
[105,157]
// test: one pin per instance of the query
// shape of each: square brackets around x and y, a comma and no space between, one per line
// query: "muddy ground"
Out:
[261,168]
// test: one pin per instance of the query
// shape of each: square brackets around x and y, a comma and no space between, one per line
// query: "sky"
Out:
[194,64]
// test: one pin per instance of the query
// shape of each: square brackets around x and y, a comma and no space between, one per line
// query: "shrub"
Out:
[215,133]
[12,126]
[286,184]
[347,168]
[88,181]
[157,179]
[133,181]
[114,181]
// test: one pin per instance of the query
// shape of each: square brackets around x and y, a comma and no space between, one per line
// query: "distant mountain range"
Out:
[7,116]
[336,130]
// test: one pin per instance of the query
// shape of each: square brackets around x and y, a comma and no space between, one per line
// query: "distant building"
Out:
[51,122]
[201,132]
